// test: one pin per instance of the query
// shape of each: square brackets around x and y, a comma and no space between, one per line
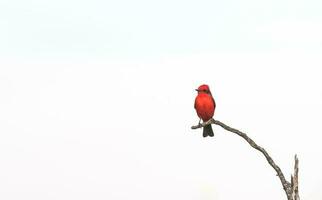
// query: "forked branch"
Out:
[291,189]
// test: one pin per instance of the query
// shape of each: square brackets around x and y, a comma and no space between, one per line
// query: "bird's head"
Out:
[203,89]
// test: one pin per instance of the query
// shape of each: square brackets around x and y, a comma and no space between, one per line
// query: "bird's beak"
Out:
[197,90]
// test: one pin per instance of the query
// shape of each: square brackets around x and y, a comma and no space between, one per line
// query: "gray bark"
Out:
[291,189]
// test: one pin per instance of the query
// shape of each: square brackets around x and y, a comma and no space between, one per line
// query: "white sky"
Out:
[96,98]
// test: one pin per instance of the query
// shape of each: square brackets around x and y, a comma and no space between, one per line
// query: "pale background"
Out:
[96,98]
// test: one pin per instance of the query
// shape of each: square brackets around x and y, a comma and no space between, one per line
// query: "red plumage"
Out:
[205,106]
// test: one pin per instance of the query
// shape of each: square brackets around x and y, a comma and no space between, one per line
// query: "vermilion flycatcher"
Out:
[205,106]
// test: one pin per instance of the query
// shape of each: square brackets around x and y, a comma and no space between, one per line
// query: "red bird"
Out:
[205,106]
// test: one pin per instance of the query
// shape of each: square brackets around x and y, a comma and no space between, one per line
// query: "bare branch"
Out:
[288,188]
[294,179]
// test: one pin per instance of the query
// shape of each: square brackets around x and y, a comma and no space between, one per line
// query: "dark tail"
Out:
[207,130]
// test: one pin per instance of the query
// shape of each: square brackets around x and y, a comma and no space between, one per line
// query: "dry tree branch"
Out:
[294,181]
[291,189]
